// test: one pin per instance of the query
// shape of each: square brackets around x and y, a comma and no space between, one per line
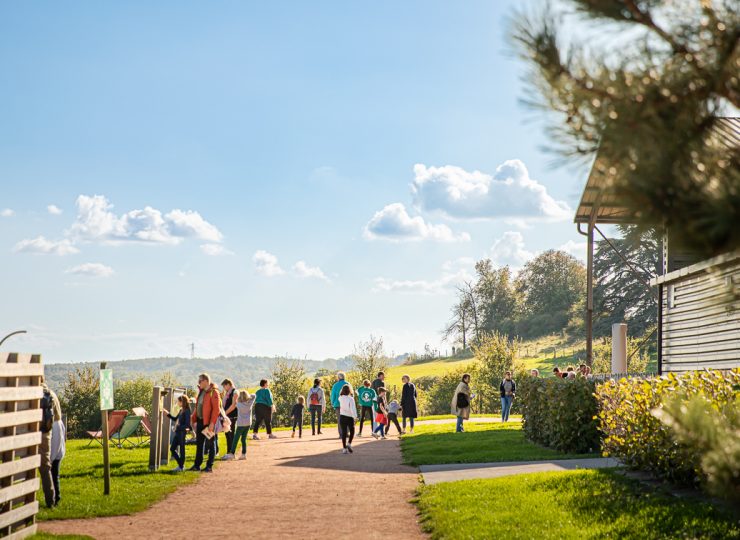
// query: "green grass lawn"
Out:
[133,487]
[566,505]
[481,443]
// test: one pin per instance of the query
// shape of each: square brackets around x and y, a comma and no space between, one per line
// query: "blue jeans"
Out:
[411,420]
[177,448]
[506,407]
[459,426]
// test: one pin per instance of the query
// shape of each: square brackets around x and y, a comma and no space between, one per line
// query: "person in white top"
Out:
[347,417]
[57,450]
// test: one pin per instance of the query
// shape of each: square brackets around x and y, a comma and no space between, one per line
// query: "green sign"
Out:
[106,389]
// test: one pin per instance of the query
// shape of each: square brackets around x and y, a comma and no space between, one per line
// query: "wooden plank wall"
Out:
[701,320]
[20,416]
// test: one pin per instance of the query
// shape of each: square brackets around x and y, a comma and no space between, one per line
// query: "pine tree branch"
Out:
[646,20]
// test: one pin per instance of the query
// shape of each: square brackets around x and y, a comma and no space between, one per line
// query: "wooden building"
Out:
[698,301]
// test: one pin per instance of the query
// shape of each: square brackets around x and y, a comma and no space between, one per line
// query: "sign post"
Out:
[106,404]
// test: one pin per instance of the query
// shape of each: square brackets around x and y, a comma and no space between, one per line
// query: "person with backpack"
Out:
[335,390]
[366,397]
[316,404]
[408,402]
[51,412]
[507,389]
[461,402]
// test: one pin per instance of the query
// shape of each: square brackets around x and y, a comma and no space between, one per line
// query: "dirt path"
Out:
[287,488]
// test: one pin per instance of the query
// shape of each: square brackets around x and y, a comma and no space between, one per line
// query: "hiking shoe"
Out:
[178,469]
[344,451]
[375,435]
[272,436]
[349,447]
[194,469]
[319,432]
[227,457]
[243,456]
[255,437]
[207,470]
[292,436]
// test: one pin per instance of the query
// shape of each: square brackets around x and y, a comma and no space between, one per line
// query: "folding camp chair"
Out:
[145,422]
[115,419]
[129,429]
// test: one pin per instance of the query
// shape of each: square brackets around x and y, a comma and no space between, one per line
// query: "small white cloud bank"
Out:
[97,223]
[97,270]
[394,223]
[577,249]
[7,212]
[53,209]
[266,264]
[45,246]
[453,274]
[215,250]
[461,194]
[303,270]
[510,250]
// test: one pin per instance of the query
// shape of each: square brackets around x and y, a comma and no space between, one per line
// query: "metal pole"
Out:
[619,348]
[106,449]
[590,295]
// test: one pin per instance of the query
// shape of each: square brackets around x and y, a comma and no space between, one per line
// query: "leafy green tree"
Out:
[646,97]
[288,381]
[550,284]
[369,358]
[496,354]
[80,401]
[134,393]
[621,293]
[498,298]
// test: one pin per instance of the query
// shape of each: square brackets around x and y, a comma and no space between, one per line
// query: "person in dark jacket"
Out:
[508,389]
[182,424]
[379,382]
[228,398]
[408,402]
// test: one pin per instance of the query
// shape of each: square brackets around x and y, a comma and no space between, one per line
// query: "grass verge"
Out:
[566,505]
[481,443]
[133,487]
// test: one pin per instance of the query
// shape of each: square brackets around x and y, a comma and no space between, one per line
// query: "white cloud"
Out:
[215,250]
[453,274]
[510,250]
[43,245]
[7,212]
[394,223]
[53,209]
[577,249]
[303,270]
[266,264]
[509,193]
[91,269]
[96,223]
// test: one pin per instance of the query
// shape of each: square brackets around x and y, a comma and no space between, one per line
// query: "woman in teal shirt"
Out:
[263,409]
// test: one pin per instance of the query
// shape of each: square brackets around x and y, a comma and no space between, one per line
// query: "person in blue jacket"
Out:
[335,397]
[182,425]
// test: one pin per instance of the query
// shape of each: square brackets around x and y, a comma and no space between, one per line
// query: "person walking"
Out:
[366,396]
[379,382]
[244,404]
[51,412]
[182,424]
[316,404]
[381,418]
[56,453]
[508,389]
[461,402]
[393,408]
[203,421]
[408,402]
[335,390]
[296,415]
[263,409]
[347,417]
[229,400]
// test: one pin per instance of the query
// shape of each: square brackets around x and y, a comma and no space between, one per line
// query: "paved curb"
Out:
[452,472]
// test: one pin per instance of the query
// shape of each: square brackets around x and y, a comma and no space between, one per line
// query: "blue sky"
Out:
[260,178]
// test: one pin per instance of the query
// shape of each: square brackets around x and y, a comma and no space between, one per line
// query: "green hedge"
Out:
[559,413]
[633,433]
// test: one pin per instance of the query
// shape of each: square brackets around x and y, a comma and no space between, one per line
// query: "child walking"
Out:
[297,415]
[393,408]
[243,422]
[182,424]
[381,418]
[347,417]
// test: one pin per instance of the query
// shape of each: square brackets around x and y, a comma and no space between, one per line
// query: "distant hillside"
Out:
[243,370]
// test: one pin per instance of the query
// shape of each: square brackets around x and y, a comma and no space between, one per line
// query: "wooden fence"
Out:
[20,436]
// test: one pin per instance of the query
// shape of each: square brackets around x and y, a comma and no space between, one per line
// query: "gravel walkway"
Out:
[287,488]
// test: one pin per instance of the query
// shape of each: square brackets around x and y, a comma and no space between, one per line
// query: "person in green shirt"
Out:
[366,396]
[263,409]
